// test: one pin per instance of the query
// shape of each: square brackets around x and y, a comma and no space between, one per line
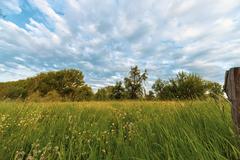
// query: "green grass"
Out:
[117,130]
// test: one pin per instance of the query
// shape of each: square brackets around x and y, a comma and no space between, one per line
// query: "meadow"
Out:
[117,130]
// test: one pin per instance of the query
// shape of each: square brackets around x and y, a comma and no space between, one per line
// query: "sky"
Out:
[105,38]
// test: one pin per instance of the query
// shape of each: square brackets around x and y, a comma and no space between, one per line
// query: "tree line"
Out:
[69,85]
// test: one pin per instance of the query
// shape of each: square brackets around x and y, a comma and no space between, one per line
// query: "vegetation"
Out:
[69,85]
[134,83]
[117,130]
[185,86]
[118,91]
[66,85]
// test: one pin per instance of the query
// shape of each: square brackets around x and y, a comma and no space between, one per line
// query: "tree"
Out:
[158,87]
[183,86]
[83,93]
[65,82]
[101,94]
[104,93]
[150,95]
[134,83]
[163,90]
[51,96]
[68,81]
[16,92]
[35,97]
[118,91]
[214,88]
[188,86]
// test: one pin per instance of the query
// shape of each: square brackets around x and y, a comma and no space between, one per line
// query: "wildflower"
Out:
[29,157]
[3,118]
[56,148]
[103,150]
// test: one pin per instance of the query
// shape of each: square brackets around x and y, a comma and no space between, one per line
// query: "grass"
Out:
[117,130]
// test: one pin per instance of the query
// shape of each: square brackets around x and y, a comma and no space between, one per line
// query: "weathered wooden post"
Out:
[232,89]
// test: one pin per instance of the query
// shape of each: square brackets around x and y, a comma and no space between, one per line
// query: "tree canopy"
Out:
[134,83]
[185,86]
[69,85]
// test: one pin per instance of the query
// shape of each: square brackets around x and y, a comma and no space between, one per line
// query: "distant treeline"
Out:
[69,85]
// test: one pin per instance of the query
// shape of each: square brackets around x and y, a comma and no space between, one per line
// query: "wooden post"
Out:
[232,89]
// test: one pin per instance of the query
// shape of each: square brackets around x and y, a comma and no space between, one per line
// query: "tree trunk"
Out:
[232,89]
[236,115]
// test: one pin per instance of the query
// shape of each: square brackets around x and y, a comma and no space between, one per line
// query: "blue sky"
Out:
[105,38]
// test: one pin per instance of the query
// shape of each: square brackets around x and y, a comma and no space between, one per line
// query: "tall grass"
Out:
[117,130]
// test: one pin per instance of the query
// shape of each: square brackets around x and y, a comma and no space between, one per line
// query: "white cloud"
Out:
[19,59]
[14,71]
[45,8]
[10,7]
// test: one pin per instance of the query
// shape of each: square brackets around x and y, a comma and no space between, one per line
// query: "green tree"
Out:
[101,94]
[83,93]
[16,92]
[158,87]
[68,81]
[65,82]
[34,97]
[150,95]
[134,83]
[188,86]
[104,93]
[51,96]
[118,91]
[214,88]
[183,86]
[163,90]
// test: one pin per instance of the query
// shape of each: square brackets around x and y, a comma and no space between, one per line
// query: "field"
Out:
[117,130]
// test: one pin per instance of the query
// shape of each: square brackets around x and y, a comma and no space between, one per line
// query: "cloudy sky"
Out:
[105,38]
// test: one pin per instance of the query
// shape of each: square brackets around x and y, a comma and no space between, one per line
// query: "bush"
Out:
[183,86]
[83,93]
[16,93]
[35,97]
[52,96]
